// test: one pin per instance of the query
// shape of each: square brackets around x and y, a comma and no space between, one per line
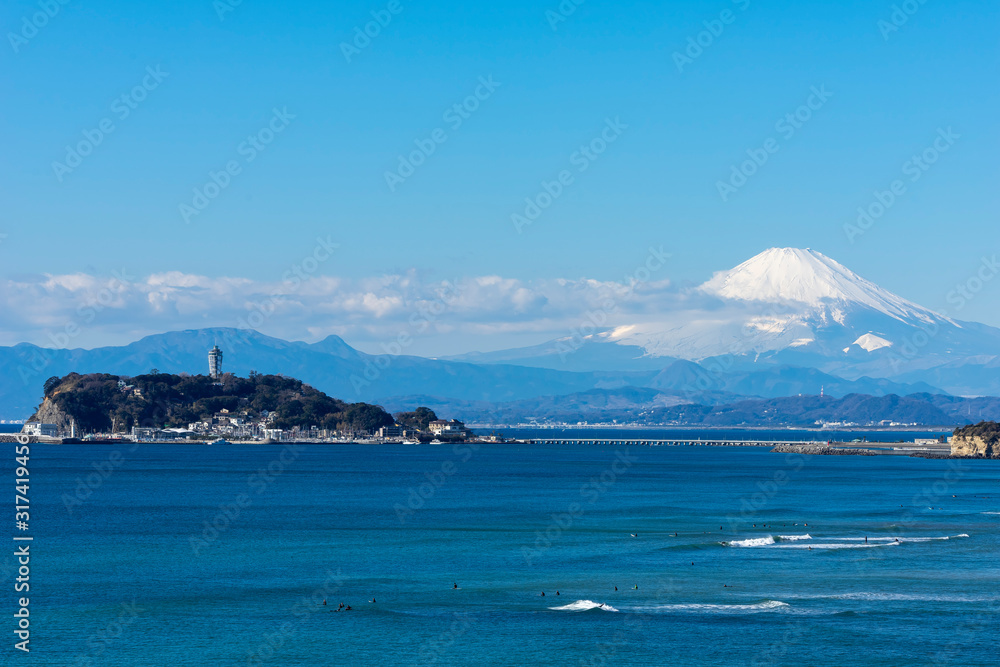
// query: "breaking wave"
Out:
[584,605]
[767,605]
[836,545]
[752,542]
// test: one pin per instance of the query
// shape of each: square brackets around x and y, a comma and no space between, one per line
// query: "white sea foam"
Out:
[584,605]
[835,545]
[751,542]
[931,539]
[895,539]
[862,539]
[792,541]
[769,605]
[991,512]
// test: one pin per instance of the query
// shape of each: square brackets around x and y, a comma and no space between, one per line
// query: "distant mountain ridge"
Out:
[333,366]
[648,406]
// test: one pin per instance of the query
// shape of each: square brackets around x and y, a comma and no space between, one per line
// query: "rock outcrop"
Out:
[980,440]
[975,446]
[823,450]
[50,413]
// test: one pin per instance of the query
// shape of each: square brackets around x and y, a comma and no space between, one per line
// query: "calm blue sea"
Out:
[223,555]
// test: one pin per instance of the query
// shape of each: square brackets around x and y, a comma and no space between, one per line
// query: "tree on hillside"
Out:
[50,384]
[419,419]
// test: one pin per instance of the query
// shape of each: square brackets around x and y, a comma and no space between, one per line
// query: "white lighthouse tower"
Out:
[215,362]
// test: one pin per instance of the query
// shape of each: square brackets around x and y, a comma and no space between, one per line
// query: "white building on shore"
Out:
[40,429]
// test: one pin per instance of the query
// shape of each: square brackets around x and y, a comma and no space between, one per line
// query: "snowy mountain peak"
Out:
[809,277]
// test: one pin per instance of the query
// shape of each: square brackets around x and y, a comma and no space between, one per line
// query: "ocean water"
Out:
[223,555]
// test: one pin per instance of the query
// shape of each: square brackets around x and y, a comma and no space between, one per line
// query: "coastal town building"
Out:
[447,427]
[40,429]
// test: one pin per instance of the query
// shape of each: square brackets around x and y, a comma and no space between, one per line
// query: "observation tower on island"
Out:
[215,362]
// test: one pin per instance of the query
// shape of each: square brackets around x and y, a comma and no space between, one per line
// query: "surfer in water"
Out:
[454,586]
[373,600]
[542,595]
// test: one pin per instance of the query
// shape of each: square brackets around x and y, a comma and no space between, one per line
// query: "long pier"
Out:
[665,443]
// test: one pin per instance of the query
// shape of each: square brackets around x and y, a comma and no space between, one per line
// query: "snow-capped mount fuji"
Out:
[788,307]
[797,306]
[813,279]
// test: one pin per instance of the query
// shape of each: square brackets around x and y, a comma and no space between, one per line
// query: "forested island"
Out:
[100,402]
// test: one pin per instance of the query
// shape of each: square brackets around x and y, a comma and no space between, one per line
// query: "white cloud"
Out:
[113,310]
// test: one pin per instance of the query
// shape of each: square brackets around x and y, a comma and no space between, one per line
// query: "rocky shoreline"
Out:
[823,450]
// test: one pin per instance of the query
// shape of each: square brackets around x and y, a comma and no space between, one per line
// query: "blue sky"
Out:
[681,130]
